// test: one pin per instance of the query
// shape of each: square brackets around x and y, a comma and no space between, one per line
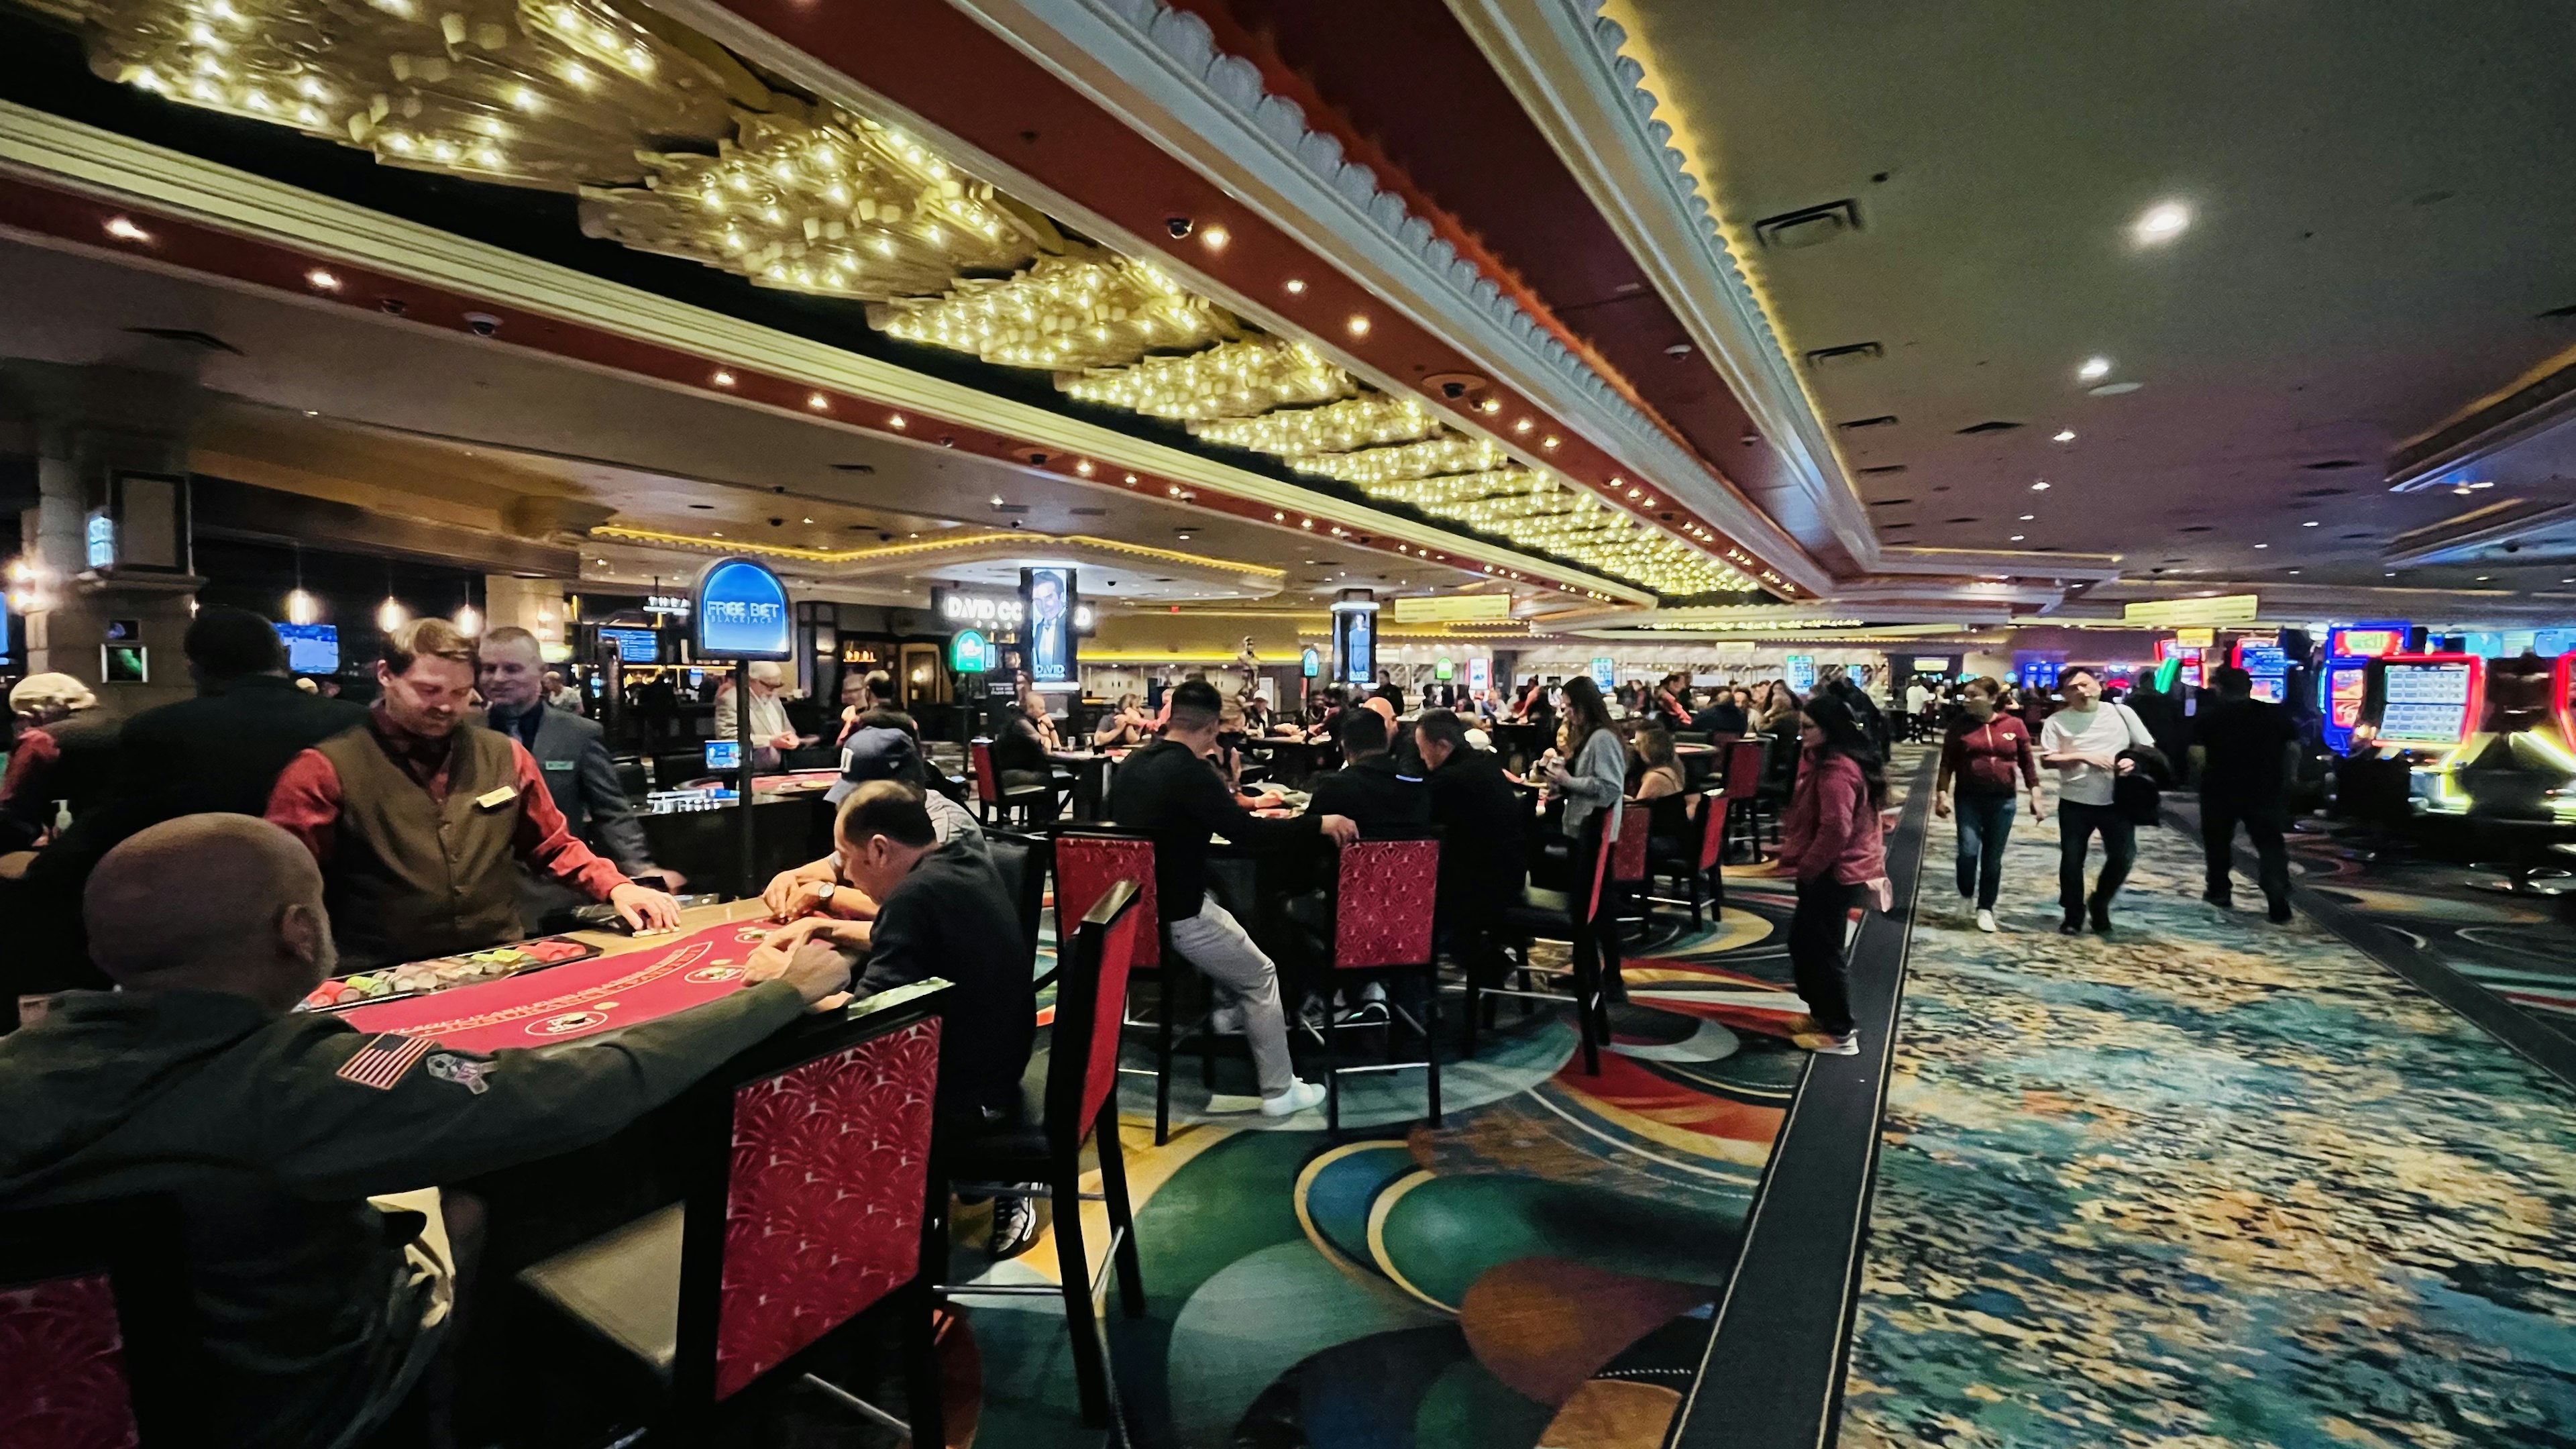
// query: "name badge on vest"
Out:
[496,797]
[561,764]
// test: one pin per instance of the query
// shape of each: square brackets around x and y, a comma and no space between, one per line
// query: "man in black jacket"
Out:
[1483,821]
[1168,790]
[1372,789]
[572,754]
[219,752]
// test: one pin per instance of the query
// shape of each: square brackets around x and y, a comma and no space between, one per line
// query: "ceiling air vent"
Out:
[1010,508]
[1970,518]
[1889,502]
[2193,528]
[1810,227]
[2323,492]
[1845,355]
[854,468]
[187,337]
[1883,420]
[2331,464]
[1974,429]
[1883,470]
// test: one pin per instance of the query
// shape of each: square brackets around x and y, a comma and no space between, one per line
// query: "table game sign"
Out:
[578,999]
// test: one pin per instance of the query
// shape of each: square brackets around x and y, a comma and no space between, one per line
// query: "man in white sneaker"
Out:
[1169,790]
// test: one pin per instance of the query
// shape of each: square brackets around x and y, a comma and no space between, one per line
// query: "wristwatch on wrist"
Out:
[823,897]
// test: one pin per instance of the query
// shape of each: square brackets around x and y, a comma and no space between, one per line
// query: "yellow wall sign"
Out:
[1452,608]
[2196,638]
[2224,609]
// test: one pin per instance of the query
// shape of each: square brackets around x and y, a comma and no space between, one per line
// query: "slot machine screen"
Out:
[2427,704]
[2345,685]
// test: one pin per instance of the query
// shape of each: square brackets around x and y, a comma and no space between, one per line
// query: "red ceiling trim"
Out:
[919,54]
[95,225]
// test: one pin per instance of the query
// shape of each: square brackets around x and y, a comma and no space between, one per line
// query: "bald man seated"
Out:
[274,1129]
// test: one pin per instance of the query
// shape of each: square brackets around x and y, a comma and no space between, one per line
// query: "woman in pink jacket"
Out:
[1830,841]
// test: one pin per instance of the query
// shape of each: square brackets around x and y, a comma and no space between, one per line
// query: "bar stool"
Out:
[1080,1105]
[1383,894]
[1087,864]
[1577,917]
[997,803]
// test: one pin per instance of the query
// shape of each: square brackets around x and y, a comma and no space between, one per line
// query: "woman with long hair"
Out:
[1594,773]
[1659,770]
[1986,752]
[1829,841]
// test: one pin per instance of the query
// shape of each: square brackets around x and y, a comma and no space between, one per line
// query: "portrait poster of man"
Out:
[1047,602]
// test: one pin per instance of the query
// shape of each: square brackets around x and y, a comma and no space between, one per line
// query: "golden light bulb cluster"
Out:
[1231,380]
[1366,421]
[1064,313]
[1536,510]
[547,93]
[1447,453]
[819,201]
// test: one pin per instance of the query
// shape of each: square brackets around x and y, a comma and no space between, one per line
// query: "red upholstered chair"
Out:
[807,1200]
[1382,898]
[1628,863]
[94,1326]
[995,803]
[1087,864]
[1081,1106]
[1582,918]
[1745,760]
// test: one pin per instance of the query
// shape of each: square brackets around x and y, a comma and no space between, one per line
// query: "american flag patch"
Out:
[384,1059]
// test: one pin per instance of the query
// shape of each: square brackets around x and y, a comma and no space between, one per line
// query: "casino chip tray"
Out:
[419,978]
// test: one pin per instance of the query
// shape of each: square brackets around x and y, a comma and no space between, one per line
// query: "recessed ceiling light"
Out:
[1296,287]
[2064,435]
[818,402]
[1358,325]
[1215,237]
[2018,537]
[2027,517]
[2163,222]
[124,230]
[2039,487]
[2094,369]
[997,500]
[322,281]
[809,520]
[2262,545]
[2311,523]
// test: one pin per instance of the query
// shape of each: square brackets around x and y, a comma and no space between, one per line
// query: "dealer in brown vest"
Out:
[417,818]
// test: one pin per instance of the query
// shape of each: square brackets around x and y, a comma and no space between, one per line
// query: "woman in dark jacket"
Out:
[1983,752]
[1830,842]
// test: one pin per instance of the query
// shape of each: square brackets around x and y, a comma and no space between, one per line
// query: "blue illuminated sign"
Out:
[742,612]
[1310,663]
[969,654]
[1798,671]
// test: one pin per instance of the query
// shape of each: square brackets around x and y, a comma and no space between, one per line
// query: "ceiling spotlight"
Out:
[1083,467]
[1548,443]
[2311,523]
[322,281]
[1214,238]
[818,402]
[997,500]
[2064,435]
[896,422]
[2018,537]
[1129,480]
[722,378]
[2027,517]
[2094,369]
[1296,287]
[2039,487]
[2163,222]
[2262,545]
[124,230]
[1358,325]
[809,520]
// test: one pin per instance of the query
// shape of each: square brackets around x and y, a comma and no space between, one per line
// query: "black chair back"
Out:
[1023,862]
[94,1301]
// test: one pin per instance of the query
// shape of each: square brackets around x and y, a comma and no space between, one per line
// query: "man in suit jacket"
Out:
[572,755]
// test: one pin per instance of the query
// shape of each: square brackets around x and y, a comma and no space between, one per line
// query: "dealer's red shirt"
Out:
[307,798]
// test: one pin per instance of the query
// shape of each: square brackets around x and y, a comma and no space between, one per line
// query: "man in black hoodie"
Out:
[272,1128]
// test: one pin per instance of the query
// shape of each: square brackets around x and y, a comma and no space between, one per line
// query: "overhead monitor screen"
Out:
[311,648]
[2428,704]
[634,646]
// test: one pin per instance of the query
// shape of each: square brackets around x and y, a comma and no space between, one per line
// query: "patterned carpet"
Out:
[1538,1270]
[2213,1182]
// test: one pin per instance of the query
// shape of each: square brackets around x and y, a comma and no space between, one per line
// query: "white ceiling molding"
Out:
[1568,67]
[55,151]
[1159,71]
[2019,563]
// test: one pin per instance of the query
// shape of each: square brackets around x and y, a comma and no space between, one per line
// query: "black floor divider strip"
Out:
[2401,956]
[1773,1375]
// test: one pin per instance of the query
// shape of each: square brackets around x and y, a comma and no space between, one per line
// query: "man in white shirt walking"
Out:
[2085,743]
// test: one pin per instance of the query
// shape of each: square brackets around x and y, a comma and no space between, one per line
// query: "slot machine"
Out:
[2184,662]
[2263,658]
[2343,683]
[2562,697]
[2425,709]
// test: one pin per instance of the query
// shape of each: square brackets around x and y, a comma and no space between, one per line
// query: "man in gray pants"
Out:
[1170,791]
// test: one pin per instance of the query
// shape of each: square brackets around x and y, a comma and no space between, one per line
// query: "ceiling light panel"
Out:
[1448,453]
[1370,420]
[550,93]
[835,204]
[1234,380]
[1065,313]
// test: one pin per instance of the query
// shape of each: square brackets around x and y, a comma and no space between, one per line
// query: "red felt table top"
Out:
[586,998]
